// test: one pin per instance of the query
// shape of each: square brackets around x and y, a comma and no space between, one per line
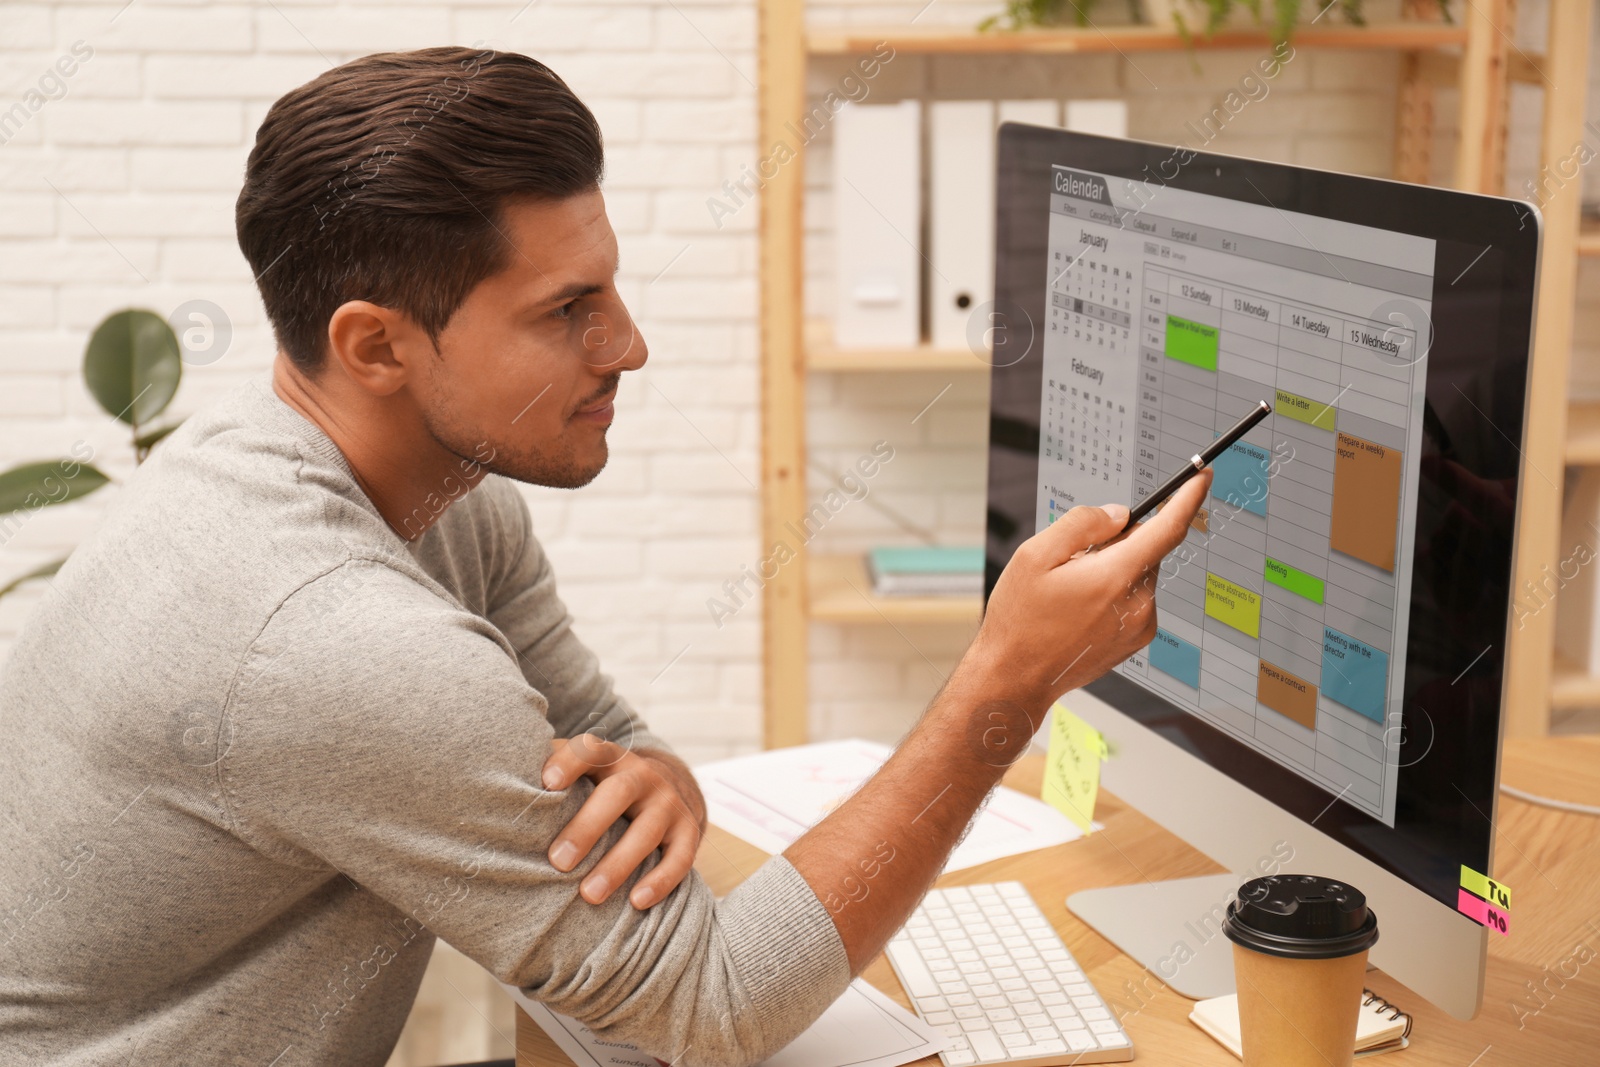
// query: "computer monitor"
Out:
[1323,695]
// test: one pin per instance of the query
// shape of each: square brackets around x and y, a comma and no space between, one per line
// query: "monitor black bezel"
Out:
[1434,833]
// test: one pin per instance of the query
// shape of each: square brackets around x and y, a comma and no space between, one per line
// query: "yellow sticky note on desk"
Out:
[1072,767]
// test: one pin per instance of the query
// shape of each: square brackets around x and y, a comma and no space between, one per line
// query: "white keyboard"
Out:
[985,968]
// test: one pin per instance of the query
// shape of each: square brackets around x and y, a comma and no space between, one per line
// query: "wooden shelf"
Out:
[1573,687]
[1583,433]
[892,359]
[822,355]
[1474,58]
[842,592]
[1386,36]
[1589,237]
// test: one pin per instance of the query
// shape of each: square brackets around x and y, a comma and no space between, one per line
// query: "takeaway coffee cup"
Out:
[1300,956]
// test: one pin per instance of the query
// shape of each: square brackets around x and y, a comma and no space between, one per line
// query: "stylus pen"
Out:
[1197,464]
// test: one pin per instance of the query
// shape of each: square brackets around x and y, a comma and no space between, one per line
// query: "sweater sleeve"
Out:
[525,607]
[390,736]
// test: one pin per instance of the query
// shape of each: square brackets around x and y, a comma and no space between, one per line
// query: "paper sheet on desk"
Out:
[863,1028]
[771,798]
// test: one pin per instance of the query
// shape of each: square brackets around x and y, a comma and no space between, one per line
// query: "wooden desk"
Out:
[1550,858]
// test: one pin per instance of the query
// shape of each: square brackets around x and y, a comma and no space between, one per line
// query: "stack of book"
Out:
[926,571]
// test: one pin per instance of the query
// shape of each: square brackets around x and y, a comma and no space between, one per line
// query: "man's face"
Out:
[530,361]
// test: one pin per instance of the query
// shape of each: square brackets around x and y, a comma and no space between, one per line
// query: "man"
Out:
[308,699]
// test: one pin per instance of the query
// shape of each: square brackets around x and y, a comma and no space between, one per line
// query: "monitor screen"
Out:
[1331,631]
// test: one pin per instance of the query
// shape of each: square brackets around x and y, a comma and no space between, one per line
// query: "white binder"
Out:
[1033,112]
[877,199]
[960,217]
[1108,118]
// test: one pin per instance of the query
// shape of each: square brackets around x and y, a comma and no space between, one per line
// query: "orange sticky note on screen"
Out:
[1072,767]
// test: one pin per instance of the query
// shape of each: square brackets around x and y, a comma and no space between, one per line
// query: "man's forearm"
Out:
[873,857]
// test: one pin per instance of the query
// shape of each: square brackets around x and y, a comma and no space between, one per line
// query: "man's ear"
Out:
[375,345]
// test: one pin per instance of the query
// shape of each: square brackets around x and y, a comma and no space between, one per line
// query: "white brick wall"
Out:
[120,193]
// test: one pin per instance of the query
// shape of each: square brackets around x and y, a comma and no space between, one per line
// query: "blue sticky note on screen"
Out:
[1354,673]
[1241,477]
[1171,654]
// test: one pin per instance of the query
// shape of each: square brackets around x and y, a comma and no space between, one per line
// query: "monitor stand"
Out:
[1173,929]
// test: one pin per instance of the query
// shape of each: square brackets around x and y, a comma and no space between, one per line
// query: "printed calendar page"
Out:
[1283,615]
[1087,419]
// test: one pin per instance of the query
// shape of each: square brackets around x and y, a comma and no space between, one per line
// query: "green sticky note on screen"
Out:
[1072,767]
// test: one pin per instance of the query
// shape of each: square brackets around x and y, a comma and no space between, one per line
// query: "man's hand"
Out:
[1060,617]
[658,795]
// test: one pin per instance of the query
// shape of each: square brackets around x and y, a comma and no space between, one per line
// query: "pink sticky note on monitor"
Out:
[1483,913]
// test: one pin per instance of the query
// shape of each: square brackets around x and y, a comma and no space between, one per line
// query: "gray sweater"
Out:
[257,752]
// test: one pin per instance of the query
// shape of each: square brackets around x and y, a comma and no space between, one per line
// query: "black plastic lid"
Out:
[1301,916]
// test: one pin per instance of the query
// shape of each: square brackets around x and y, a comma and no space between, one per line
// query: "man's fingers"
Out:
[609,802]
[597,751]
[571,760]
[1164,531]
[624,857]
[676,860]
[1077,530]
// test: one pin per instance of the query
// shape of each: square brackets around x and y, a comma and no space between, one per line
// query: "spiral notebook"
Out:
[1381,1027]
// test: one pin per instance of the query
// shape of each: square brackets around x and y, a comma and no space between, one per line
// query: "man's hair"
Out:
[385,179]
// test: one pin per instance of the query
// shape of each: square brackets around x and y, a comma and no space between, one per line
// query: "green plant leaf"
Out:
[1216,14]
[1022,14]
[1187,37]
[43,571]
[1286,13]
[33,485]
[150,437]
[132,365]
